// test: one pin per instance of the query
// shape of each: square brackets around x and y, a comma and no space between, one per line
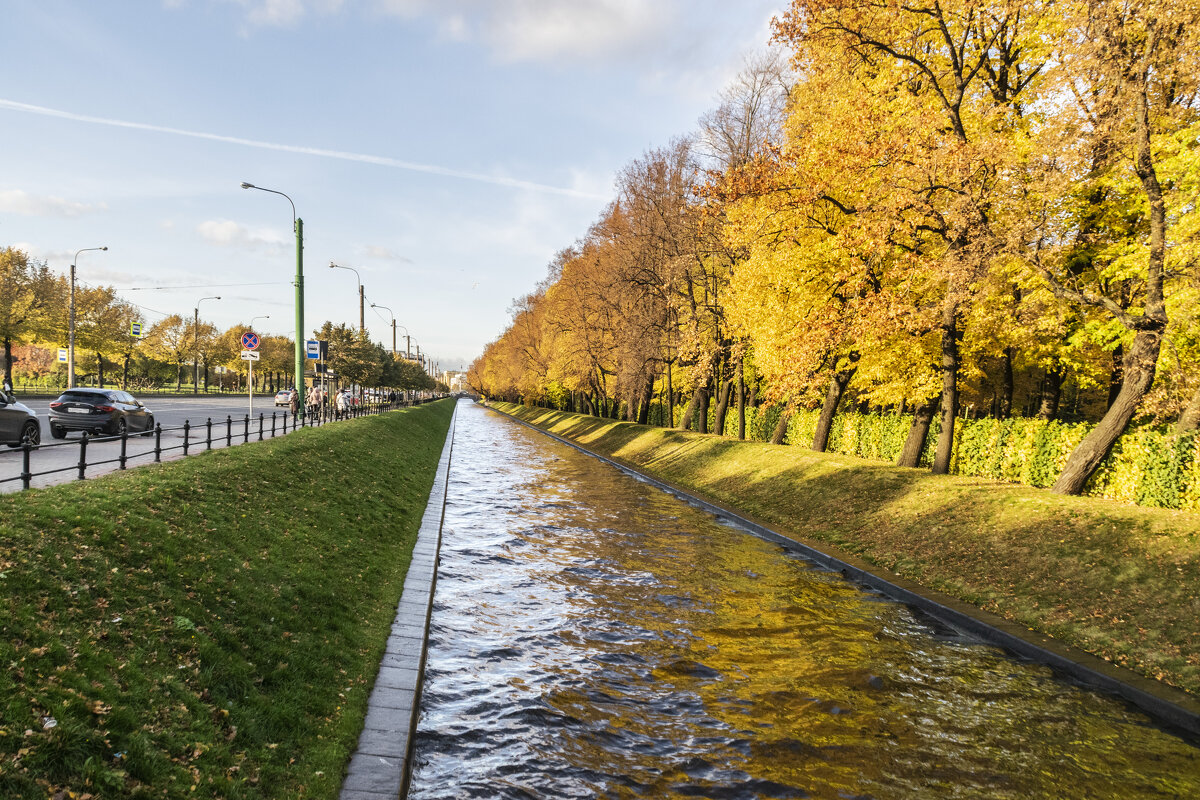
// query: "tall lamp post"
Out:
[71,320]
[385,308]
[362,319]
[298,224]
[196,345]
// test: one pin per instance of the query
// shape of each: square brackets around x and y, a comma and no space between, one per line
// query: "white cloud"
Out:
[15,201]
[227,233]
[543,30]
[277,12]
[515,30]
[384,254]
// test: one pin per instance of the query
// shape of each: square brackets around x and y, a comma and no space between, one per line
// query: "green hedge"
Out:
[1148,466]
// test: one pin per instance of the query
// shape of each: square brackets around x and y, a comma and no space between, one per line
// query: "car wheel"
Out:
[120,426]
[149,426]
[57,432]
[31,434]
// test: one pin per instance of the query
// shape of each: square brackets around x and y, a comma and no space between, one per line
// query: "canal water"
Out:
[593,637]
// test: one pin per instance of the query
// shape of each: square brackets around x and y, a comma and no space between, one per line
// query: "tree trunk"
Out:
[643,417]
[722,407]
[1004,406]
[8,361]
[99,371]
[125,374]
[950,363]
[782,426]
[1051,393]
[669,422]
[1139,366]
[910,456]
[741,390]
[690,411]
[1117,375]
[178,376]
[833,398]
[1189,420]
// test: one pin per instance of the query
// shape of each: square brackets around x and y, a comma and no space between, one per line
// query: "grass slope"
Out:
[209,627]
[1118,581]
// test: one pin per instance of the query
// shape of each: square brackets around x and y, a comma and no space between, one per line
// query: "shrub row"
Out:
[1149,466]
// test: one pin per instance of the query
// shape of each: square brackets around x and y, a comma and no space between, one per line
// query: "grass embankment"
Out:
[1118,581]
[208,627]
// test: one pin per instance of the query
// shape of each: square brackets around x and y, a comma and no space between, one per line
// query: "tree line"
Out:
[34,319]
[938,208]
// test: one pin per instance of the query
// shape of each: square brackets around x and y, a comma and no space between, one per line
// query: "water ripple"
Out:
[593,637]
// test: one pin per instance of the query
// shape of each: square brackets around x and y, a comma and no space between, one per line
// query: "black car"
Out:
[18,422]
[100,411]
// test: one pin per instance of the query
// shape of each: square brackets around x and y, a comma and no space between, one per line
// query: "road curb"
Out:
[380,765]
[1169,706]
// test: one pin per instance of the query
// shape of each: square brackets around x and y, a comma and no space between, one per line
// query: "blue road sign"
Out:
[313,348]
[250,340]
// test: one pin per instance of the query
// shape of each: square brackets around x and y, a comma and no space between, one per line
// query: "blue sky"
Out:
[446,149]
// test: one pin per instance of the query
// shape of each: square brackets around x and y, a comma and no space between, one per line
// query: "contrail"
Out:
[382,161]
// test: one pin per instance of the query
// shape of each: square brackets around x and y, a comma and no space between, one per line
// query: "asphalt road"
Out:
[169,412]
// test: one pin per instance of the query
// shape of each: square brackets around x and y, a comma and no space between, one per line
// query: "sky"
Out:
[444,149]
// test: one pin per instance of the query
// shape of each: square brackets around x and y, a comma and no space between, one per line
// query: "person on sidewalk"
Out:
[294,402]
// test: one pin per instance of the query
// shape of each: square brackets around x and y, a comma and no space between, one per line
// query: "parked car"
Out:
[98,411]
[283,397]
[18,422]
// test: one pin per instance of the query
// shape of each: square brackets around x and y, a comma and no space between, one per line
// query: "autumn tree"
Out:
[170,339]
[1131,70]
[31,299]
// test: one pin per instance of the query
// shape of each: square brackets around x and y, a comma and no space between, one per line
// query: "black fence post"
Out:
[272,424]
[260,426]
[187,427]
[83,455]
[157,442]
[228,430]
[208,433]
[246,430]
[26,474]
[124,443]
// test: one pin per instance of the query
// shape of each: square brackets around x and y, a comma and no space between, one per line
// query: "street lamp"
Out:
[71,320]
[298,224]
[196,345]
[362,320]
[260,316]
[385,308]
[407,343]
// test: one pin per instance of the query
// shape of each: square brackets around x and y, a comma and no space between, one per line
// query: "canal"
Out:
[593,637]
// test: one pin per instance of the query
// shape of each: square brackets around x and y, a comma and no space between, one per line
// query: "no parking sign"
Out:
[250,340]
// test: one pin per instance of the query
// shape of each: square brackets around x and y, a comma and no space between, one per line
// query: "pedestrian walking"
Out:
[294,402]
[340,403]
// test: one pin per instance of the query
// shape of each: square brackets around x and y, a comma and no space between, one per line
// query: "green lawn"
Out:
[1118,581]
[208,627]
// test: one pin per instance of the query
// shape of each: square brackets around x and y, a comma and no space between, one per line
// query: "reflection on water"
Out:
[593,637]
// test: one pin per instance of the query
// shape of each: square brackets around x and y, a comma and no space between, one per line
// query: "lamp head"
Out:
[104,248]
[248,185]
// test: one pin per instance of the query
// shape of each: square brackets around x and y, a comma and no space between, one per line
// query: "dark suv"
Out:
[99,411]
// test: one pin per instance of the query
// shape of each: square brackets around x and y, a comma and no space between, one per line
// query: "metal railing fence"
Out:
[281,423]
